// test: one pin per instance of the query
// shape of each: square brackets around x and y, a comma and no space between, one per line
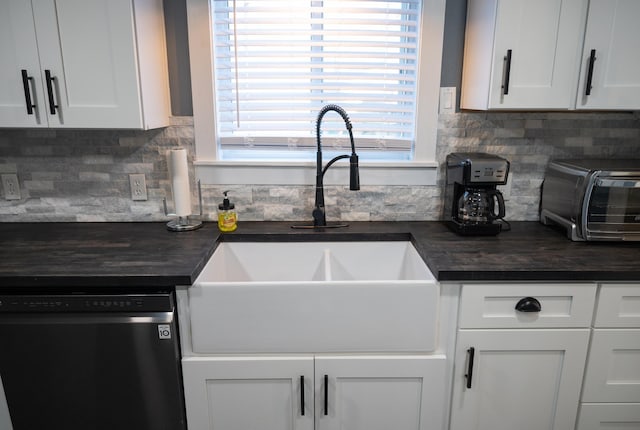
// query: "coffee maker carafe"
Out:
[473,204]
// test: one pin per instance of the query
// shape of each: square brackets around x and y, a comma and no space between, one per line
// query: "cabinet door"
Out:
[19,51]
[544,38]
[89,49]
[380,393]
[618,306]
[609,417]
[519,379]
[613,371]
[263,393]
[612,34]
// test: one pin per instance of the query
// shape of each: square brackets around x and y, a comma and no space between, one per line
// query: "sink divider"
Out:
[327,264]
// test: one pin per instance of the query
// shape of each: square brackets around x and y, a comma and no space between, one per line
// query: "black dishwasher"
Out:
[90,362]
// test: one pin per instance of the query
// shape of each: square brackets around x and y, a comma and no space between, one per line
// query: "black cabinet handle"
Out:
[52,103]
[302,395]
[471,353]
[528,304]
[507,73]
[27,91]
[326,394]
[592,60]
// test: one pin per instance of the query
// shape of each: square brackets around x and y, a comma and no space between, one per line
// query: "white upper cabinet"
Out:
[537,55]
[20,89]
[522,54]
[612,36]
[83,64]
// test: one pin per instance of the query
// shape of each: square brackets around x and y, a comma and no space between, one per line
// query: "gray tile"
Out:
[48,162]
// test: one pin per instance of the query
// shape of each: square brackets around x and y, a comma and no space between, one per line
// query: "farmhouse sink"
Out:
[310,297]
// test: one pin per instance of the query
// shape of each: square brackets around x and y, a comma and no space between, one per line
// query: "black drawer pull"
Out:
[27,91]
[302,395]
[507,73]
[528,304]
[52,103]
[592,60]
[471,352]
[326,394]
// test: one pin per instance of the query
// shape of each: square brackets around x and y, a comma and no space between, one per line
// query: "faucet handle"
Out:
[354,173]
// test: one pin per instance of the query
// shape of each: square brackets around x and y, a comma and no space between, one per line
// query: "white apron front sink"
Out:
[288,297]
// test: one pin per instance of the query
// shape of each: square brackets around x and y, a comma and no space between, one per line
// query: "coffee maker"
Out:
[473,205]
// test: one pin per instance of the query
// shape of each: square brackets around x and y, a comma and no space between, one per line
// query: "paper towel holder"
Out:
[184,223]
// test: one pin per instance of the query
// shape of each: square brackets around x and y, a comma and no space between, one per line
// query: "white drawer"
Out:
[618,306]
[494,305]
[609,416]
[613,368]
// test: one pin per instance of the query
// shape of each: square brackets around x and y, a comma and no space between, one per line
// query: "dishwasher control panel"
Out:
[86,303]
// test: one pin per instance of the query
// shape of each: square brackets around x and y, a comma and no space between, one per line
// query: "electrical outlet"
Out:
[138,186]
[11,186]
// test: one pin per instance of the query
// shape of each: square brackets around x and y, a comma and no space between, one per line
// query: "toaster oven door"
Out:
[613,209]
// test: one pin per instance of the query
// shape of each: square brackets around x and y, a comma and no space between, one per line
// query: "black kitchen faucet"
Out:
[319,218]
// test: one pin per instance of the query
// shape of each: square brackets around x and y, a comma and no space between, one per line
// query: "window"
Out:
[270,83]
[263,70]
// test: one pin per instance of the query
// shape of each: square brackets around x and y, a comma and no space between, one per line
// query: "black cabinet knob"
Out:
[528,304]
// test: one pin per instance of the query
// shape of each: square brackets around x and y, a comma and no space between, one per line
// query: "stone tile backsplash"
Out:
[84,175]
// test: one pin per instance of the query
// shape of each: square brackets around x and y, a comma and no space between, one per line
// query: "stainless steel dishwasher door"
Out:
[102,362]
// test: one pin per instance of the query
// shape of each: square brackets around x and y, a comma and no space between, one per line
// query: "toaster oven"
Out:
[593,199]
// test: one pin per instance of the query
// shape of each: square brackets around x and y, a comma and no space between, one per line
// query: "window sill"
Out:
[304,172]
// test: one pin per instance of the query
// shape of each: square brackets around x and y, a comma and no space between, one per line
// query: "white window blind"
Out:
[278,62]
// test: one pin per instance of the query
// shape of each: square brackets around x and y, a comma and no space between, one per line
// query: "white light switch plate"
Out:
[447,99]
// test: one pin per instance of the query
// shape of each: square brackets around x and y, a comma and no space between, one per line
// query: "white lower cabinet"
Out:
[613,372]
[249,393]
[524,355]
[357,377]
[613,416]
[380,393]
[611,393]
[520,356]
[518,379]
[400,392]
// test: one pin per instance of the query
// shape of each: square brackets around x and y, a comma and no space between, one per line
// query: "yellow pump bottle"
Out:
[227,216]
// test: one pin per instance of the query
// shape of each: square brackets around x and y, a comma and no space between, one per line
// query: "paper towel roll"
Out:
[179,173]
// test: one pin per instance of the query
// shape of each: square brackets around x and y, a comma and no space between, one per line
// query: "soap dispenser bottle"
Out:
[227,217]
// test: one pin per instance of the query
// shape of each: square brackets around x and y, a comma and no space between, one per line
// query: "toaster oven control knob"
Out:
[528,304]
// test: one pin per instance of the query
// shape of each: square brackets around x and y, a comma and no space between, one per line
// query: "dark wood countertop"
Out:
[79,255]
[147,255]
[529,252]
